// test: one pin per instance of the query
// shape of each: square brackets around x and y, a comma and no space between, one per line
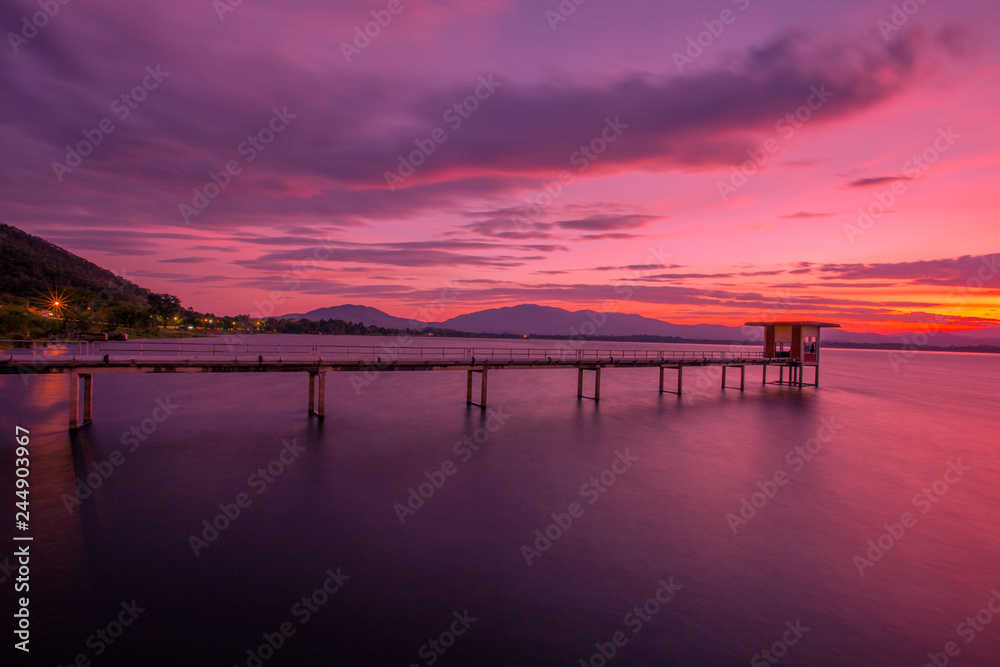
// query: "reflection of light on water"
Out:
[46,392]
[37,395]
[60,543]
[39,401]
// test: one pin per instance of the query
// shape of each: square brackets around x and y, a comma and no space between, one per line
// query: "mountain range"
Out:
[532,319]
[31,266]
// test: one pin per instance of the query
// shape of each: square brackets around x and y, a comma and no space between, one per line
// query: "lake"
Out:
[206,519]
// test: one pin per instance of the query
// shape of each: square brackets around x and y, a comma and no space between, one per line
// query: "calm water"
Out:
[653,522]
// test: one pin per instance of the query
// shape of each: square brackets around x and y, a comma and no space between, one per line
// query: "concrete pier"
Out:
[743,376]
[74,399]
[597,383]
[317,393]
[483,374]
[680,380]
[318,360]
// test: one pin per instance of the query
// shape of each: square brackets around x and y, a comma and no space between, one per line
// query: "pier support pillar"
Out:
[743,376]
[468,388]
[763,377]
[317,393]
[88,396]
[74,399]
[680,372]
[597,383]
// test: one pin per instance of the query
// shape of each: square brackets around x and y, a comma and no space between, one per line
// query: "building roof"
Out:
[792,324]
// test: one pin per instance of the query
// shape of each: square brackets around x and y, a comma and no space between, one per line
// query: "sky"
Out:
[710,162]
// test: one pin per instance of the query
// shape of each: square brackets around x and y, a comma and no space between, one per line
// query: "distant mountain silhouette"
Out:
[532,319]
[550,321]
[989,336]
[356,313]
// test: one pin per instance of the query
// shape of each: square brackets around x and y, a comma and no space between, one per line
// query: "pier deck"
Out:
[84,360]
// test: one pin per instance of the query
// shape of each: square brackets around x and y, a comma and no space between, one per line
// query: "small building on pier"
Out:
[794,340]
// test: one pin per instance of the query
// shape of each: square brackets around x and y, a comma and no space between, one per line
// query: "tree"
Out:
[163,306]
[126,315]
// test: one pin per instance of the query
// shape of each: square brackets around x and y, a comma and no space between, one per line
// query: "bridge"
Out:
[83,360]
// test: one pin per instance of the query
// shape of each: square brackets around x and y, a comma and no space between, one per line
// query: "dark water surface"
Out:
[652,524]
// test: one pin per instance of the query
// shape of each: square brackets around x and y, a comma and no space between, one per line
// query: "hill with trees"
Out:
[46,290]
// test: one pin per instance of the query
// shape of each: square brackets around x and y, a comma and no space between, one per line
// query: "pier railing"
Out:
[82,360]
[120,350]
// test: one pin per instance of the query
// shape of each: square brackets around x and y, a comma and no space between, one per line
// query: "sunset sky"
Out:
[690,161]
